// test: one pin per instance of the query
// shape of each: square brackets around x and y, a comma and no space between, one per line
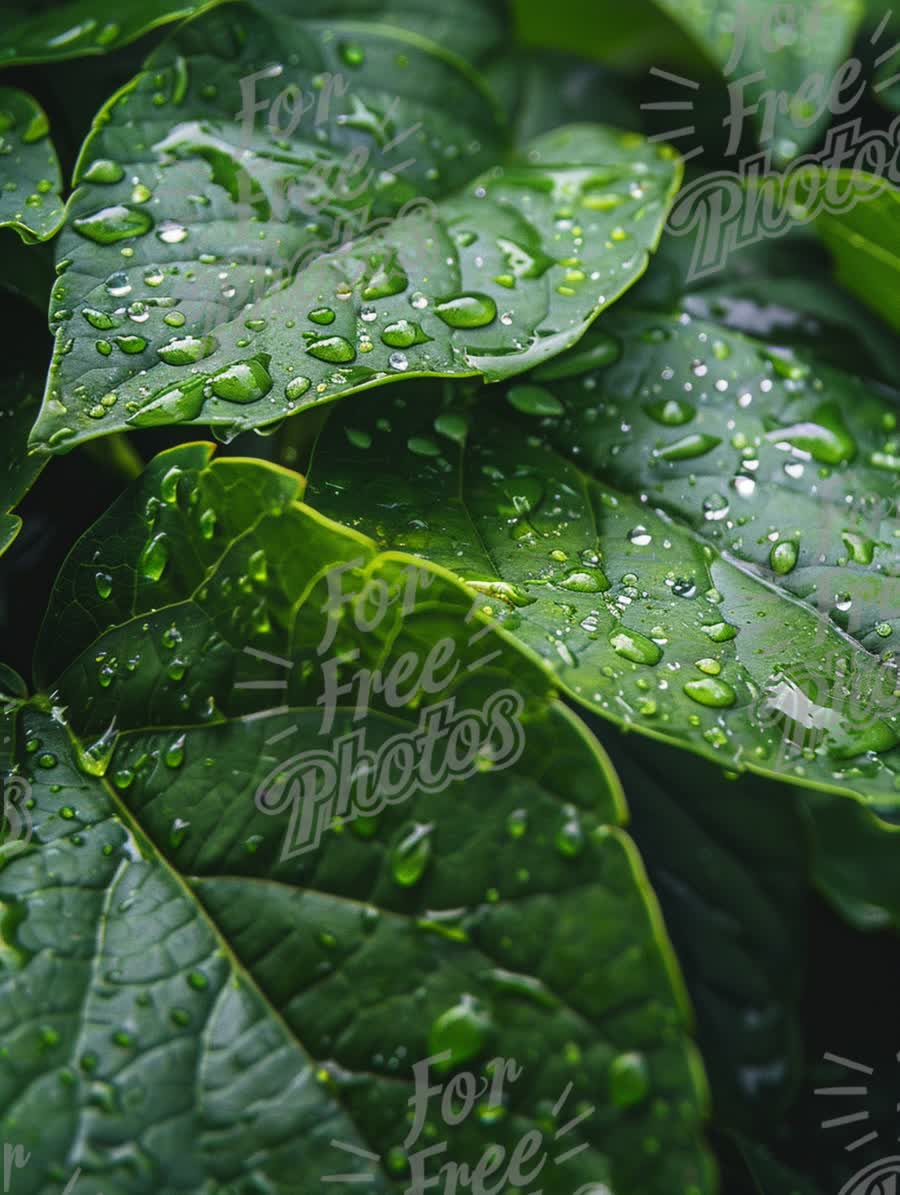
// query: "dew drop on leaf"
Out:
[410,856]
[462,1030]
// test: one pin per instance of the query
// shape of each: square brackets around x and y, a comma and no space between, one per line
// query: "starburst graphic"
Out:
[853,1089]
[683,105]
[883,66]
[883,59]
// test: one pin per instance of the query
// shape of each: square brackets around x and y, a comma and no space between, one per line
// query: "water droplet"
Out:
[711,691]
[322,315]
[178,832]
[467,311]
[570,836]
[168,487]
[175,752]
[387,279]
[585,580]
[154,558]
[635,647]
[410,856]
[103,582]
[629,1079]
[715,507]
[171,232]
[824,436]
[688,447]
[208,524]
[111,224]
[245,382]
[403,333]
[720,632]
[103,170]
[783,556]
[187,350]
[709,666]
[258,567]
[463,1030]
[517,823]
[296,387]
[334,349]
[671,412]
[352,53]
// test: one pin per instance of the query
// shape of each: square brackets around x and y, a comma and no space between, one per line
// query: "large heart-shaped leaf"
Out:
[30,179]
[696,532]
[239,278]
[206,1009]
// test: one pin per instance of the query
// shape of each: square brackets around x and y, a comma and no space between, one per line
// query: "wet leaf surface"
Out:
[696,533]
[30,178]
[174,980]
[241,277]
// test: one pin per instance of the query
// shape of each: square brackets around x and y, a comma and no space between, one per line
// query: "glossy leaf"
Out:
[84,27]
[30,178]
[151,314]
[729,861]
[781,290]
[856,862]
[698,534]
[249,1019]
[865,242]
[779,62]
[18,471]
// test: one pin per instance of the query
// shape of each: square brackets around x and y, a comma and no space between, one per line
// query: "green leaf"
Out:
[82,27]
[697,533]
[780,290]
[603,29]
[18,471]
[30,179]
[856,862]
[779,62]
[729,861]
[231,1009]
[29,270]
[528,85]
[282,311]
[865,242]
